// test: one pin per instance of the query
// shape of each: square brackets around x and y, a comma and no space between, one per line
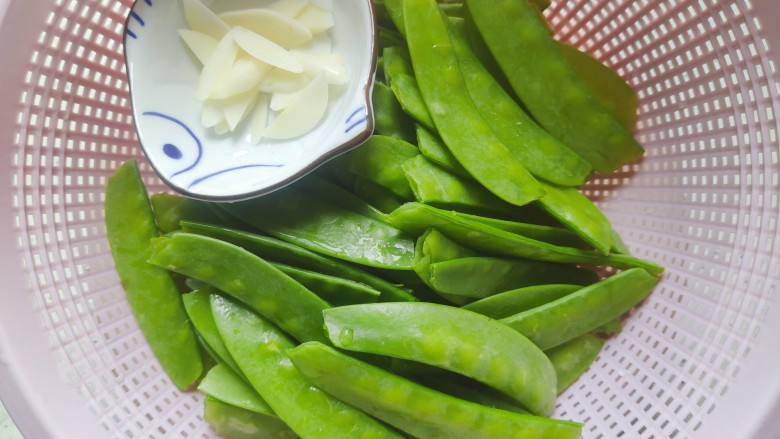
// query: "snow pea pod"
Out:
[416,409]
[429,333]
[549,87]
[199,311]
[335,290]
[480,277]
[572,359]
[433,247]
[237,423]
[280,251]
[580,312]
[607,86]
[170,209]
[260,350]
[389,118]
[434,149]
[400,77]
[579,215]
[324,189]
[222,383]
[467,136]
[415,217]
[397,62]
[150,291]
[374,194]
[535,228]
[379,159]
[516,301]
[318,225]
[438,187]
[542,154]
[250,279]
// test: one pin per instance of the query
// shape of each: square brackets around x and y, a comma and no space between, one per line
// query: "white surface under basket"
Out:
[698,359]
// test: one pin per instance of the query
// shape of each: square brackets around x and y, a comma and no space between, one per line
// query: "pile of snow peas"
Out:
[446,279]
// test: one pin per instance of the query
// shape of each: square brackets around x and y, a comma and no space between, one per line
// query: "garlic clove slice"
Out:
[245,75]
[201,45]
[265,50]
[316,19]
[202,19]
[303,113]
[281,29]
[217,66]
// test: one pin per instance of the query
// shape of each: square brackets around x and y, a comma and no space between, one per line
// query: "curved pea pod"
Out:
[337,195]
[434,149]
[170,209]
[389,118]
[199,311]
[433,247]
[580,312]
[428,333]
[542,154]
[260,349]
[436,186]
[409,96]
[580,215]
[605,84]
[413,217]
[467,136]
[237,423]
[416,409]
[572,359]
[375,194]
[388,38]
[317,225]
[223,383]
[334,290]
[396,61]
[614,326]
[549,87]
[480,277]
[379,159]
[241,274]
[280,251]
[516,301]
[535,229]
[454,385]
[151,291]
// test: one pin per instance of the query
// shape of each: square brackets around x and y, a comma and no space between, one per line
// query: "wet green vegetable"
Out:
[572,359]
[223,383]
[516,301]
[151,291]
[237,423]
[416,409]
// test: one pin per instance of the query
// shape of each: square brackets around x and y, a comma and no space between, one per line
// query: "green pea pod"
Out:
[552,234]
[614,326]
[453,9]
[334,290]
[237,423]
[374,194]
[434,149]
[379,159]
[542,154]
[516,301]
[319,187]
[260,349]
[170,209]
[454,385]
[605,84]
[580,312]
[467,136]
[416,409]
[414,217]
[320,226]
[388,38]
[409,96]
[480,277]
[579,215]
[151,292]
[280,251]
[199,311]
[572,359]
[429,333]
[433,247]
[389,118]
[222,383]
[241,274]
[549,87]
[436,186]
[397,62]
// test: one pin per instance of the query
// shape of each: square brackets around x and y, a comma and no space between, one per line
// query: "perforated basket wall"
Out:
[695,360]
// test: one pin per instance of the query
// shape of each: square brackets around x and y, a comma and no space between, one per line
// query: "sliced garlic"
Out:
[280,100]
[265,50]
[217,66]
[201,19]
[290,8]
[211,115]
[259,119]
[281,29]
[282,81]
[316,19]
[245,74]
[303,113]
[326,5]
[201,45]
[238,107]
[332,64]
